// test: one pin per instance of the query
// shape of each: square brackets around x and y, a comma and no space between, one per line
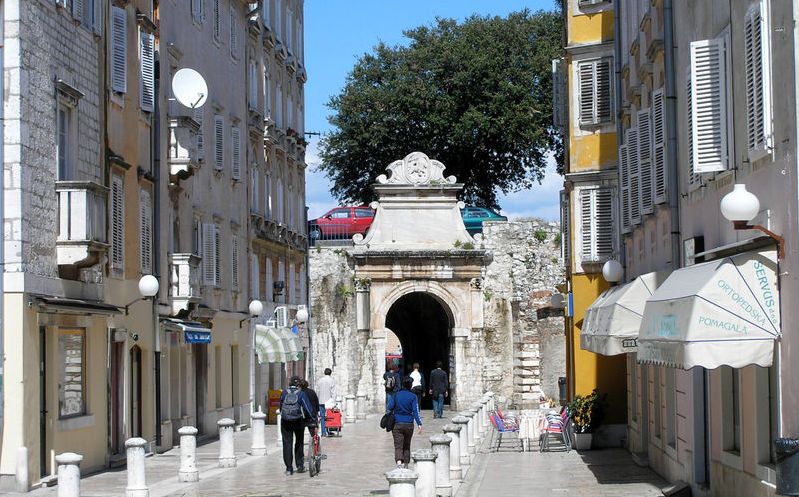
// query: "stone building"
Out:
[480,305]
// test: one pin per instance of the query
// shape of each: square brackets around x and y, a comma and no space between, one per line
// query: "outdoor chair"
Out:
[503,429]
[508,420]
[556,427]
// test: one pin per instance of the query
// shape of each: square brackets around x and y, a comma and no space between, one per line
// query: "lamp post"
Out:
[256,308]
[741,206]
[148,288]
[302,319]
[612,271]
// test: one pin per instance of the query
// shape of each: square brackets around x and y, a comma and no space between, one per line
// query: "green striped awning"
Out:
[293,344]
[270,345]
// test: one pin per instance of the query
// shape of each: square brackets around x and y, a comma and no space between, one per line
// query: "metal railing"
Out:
[330,234]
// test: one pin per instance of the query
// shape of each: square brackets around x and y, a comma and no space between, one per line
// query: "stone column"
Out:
[188,454]
[441,444]
[349,411]
[227,454]
[21,476]
[476,427]
[279,430]
[362,308]
[68,474]
[491,401]
[469,415]
[258,447]
[361,413]
[137,483]
[459,380]
[425,460]
[401,482]
[463,422]
[453,431]
[486,413]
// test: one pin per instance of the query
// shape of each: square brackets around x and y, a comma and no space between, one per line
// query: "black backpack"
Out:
[291,410]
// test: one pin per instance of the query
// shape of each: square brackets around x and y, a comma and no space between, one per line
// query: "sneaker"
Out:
[289,472]
[399,464]
[301,470]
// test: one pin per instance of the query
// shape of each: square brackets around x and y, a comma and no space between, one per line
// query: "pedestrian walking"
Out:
[418,383]
[313,400]
[406,410]
[326,388]
[392,383]
[295,411]
[439,389]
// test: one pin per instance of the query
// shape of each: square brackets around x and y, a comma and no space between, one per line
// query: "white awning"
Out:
[724,312]
[611,323]
[276,344]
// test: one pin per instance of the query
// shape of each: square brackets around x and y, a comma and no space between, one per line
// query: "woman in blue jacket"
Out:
[406,410]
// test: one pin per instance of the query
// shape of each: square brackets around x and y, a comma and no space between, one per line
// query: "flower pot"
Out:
[582,441]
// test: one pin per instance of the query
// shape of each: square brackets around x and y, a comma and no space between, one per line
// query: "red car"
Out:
[341,222]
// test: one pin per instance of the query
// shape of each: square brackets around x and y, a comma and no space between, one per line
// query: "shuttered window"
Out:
[624,185]
[565,227]
[198,10]
[694,179]
[252,85]
[658,147]
[268,196]
[267,96]
[234,262]
[117,222]
[559,95]
[147,71]
[758,81]
[645,160]
[217,258]
[709,105]
[219,143]
[199,116]
[216,19]
[279,106]
[235,145]
[255,274]
[255,194]
[209,253]
[146,231]
[234,34]
[596,224]
[634,175]
[119,50]
[595,91]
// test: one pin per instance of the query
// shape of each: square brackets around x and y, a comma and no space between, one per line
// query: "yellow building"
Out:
[586,114]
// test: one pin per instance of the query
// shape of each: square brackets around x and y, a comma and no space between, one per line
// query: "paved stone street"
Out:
[357,461]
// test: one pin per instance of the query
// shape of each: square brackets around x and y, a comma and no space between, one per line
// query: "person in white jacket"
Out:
[326,390]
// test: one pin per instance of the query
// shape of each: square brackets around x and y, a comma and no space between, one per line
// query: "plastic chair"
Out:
[557,427]
[502,429]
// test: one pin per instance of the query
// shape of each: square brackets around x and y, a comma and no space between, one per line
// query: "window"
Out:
[340,214]
[145,231]
[210,255]
[147,71]
[65,143]
[265,13]
[364,213]
[268,280]
[290,111]
[290,29]
[767,411]
[671,407]
[657,402]
[198,11]
[234,34]
[254,193]
[83,12]
[658,147]
[255,273]
[596,223]
[279,206]
[559,96]
[119,50]
[279,19]
[731,409]
[633,171]
[758,80]
[291,296]
[624,185]
[234,262]
[199,116]
[709,105]
[279,105]
[268,196]
[216,19]
[235,145]
[595,91]
[645,160]
[72,373]
[267,96]
[219,143]
[117,222]
[252,85]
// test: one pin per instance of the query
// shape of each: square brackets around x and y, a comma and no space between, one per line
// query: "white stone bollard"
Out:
[227,453]
[441,445]
[349,411]
[469,415]
[361,412]
[401,482]
[21,476]
[279,429]
[258,447]
[491,401]
[425,460]
[68,474]
[137,481]
[476,427]
[188,455]
[463,422]
[483,415]
[455,472]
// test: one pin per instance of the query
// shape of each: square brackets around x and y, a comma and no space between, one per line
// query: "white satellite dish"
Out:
[189,88]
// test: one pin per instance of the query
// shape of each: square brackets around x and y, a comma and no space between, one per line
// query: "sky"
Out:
[338,32]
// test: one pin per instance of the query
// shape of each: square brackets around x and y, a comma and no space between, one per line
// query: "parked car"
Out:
[473,218]
[341,222]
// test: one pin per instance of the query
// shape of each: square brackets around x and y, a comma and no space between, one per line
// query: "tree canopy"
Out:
[476,96]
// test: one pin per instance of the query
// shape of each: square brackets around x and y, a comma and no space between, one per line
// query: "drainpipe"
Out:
[617,56]
[155,169]
[671,135]
[2,248]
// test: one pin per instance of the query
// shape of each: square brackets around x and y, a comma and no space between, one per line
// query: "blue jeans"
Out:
[438,405]
[322,412]
[389,396]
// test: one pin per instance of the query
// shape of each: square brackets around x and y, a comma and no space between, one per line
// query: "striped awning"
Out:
[276,344]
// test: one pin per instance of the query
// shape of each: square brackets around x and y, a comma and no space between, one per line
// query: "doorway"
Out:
[200,353]
[135,392]
[117,367]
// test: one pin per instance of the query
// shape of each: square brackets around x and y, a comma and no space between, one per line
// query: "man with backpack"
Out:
[295,414]
[391,381]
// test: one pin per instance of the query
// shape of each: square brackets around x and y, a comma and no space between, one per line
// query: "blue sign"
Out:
[197,336]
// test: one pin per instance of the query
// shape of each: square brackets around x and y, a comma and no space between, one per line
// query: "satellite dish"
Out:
[189,88]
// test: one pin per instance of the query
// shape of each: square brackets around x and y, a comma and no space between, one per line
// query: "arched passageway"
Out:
[423,327]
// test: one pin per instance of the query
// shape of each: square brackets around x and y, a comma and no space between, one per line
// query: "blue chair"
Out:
[503,429]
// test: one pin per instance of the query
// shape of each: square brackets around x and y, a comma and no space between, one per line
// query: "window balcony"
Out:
[81,223]
[184,157]
[184,281]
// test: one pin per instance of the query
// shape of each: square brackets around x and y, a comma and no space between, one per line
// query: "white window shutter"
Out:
[235,144]
[603,228]
[659,147]
[208,253]
[219,143]
[634,174]
[216,18]
[586,235]
[234,34]
[147,76]
[146,231]
[758,81]
[559,95]
[252,82]
[119,50]
[199,117]
[693,177]
[267,96]
[268,196]
[604,95]
[254,193]
[565,227]
[217,258]
[586,74]
[77,10]
[645,160]
[624,185]
[709,105]
[234,263]
[255,273]
[117,222]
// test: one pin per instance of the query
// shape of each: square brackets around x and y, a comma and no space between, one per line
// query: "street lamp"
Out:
[741,206]
[148,288]
[302,316]
[255,308]
[612,271]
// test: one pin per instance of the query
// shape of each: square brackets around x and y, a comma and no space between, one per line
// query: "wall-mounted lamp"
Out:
[255,309]
[741,206]
[301,316]
[612,271]
[148,288]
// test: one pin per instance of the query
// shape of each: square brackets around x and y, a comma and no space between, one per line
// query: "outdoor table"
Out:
[530,426]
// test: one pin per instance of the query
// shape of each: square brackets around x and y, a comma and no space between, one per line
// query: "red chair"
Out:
[557,427]
[503,429]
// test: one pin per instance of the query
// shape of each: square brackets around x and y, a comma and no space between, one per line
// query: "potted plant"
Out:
[586,413]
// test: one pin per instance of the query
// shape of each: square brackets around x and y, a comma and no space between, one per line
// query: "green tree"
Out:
[477,96]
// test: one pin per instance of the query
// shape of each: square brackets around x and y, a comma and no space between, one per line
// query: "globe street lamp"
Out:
[302,316]
[612,271]
[741,206]
[255,308]
[148,288]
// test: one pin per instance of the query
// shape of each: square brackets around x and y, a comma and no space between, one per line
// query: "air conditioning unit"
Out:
[271,323]
[282,317]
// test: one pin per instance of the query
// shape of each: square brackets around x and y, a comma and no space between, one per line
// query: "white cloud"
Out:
[317,186]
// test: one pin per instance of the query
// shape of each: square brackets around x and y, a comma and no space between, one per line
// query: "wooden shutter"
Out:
[146,231]
[624,185]
[254,190]
[758,81]
[219,143]
[595,92]
[235,144]
[197,10]
[234,263]
[119,50]
[565,227]
[147,72]
[604,91]
[234,34]
[217,258]
[117,222]
[559,96]
[659,147]
[586,73]
[267,96]
[255,273]
[216,18]
[693,177]
[199,117]
[634,174]
[709,105]
[602,217]
[645,160]
[209,253]
[586,238]
[252,85]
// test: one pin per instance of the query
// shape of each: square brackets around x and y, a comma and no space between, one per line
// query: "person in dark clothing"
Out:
[295,411]
[313,399]
[406,411]
[439,388]
[392,382]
